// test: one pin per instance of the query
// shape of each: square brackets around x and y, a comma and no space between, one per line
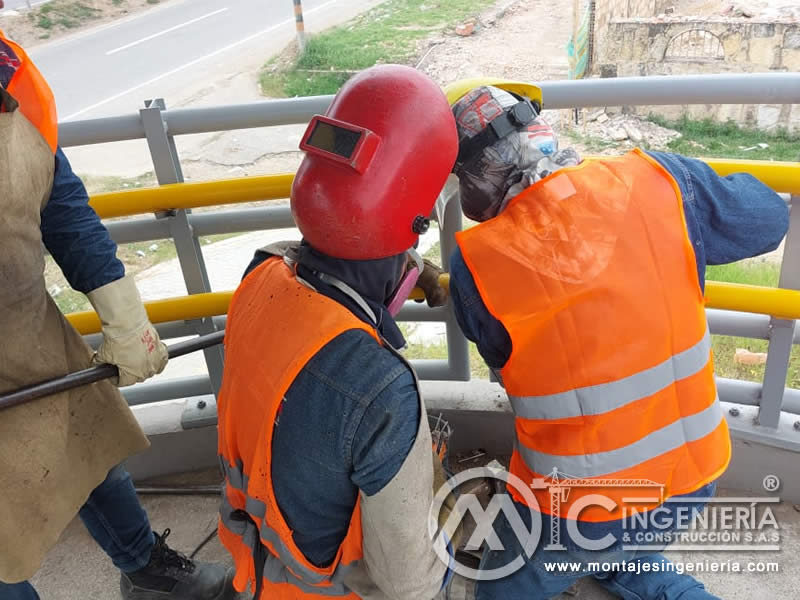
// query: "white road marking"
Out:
[160,33]
[194,62]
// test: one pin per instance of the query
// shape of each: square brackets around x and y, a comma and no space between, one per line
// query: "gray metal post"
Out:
[457,346]
[190,256]
[781,330]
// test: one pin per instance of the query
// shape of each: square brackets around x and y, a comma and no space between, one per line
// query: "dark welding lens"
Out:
[337,140]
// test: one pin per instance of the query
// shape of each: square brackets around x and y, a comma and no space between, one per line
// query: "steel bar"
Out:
[208,223]
[782,330]
[170,389]
[749,88]
[457,345]
[96,373]
[745,88]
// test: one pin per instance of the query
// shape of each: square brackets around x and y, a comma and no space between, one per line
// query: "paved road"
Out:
[164,51]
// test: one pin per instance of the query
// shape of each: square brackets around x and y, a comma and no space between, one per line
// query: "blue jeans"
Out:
[534,581]
[116,521]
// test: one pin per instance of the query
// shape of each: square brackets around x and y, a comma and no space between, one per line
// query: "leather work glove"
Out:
[428,281]
[440,479]
[129,339]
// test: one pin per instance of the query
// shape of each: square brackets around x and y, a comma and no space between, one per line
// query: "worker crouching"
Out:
[583,289]
[323,437]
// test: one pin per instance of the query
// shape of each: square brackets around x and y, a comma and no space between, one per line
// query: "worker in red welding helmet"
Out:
[582,286]
[59,455]
[323,435]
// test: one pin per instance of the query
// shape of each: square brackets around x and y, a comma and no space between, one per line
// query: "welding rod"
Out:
[97,373]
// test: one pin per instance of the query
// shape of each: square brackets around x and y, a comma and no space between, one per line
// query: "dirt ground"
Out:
[25,27]
[538,29]
[524,40]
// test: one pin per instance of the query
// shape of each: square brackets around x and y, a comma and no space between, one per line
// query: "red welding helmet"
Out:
[374,164]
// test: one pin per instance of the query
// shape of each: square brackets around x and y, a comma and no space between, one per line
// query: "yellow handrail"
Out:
[783,177]
[778,302]
[730,296]
[192,195]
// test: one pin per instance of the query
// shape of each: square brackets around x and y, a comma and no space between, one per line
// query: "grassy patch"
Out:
[100,184]
[593,143]
[725,346]
[388,33]
[729,140]
[477,366]
[64,14]
[750,272]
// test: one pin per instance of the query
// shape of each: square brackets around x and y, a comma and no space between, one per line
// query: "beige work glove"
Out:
[428,281]
[440,479]
[129,339]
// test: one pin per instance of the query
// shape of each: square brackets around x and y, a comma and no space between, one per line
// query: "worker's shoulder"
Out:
[355,364]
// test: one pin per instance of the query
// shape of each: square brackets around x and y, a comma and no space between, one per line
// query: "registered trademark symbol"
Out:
[771,483]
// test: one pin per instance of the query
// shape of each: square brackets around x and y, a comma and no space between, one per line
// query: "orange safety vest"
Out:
[592,273]
[275,326]
[30,89]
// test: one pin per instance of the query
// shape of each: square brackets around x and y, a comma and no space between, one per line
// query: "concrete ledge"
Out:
[481,417]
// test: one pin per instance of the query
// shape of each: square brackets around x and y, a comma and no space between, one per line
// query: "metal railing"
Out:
[764,313]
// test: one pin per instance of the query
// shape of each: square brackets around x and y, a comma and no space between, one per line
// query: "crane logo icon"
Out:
[559,486]
[525,538]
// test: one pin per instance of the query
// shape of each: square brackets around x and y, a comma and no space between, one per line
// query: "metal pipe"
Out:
[96,373]
[194,306]
[191,195]
[139,230]
[171,389]
[267,113]
[457,345]
[783,177]
[780,176]
[748,393]
[777,302]
[749,88]
[730,296]
[100,131]
[749,325]
[247,219]
[206,223]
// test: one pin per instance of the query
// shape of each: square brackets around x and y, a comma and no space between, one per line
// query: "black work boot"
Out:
[172,576]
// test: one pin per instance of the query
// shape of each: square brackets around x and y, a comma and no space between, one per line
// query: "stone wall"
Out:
[608,10]
[655,46]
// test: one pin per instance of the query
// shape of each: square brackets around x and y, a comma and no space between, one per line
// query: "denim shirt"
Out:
[74,235]
[728,219]
[347,423]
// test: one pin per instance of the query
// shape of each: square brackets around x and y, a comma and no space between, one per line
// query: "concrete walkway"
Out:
[76,569]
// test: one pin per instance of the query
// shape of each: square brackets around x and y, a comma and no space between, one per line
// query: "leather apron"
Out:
[56,450]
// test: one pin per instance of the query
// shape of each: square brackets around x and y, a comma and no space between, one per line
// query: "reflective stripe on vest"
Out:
[23,80]
[283,567]
[592,273]
[605,397]
[687,429]
[261,362]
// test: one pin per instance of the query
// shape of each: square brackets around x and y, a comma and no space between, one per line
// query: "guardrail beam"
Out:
[781,330]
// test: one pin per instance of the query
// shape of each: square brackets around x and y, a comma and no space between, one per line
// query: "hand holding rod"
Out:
[97,373]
